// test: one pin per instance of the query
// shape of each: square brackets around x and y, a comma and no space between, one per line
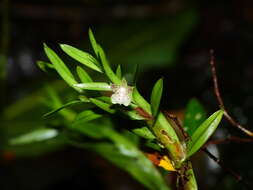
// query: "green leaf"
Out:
[44,66]
[136,73]
[93,42]
[203,132]
[133,115]
[144,132]
[94,86]
[195,114]
[82,57]
[101,104]
[85,116]
[156,97]
[119,72]
[142,169]
[154,145]
[122,152]
[90,125]
[34,136]
[84,98]
[105,99]
[83,75]
[108,71]
[74,102]
[54,102]
[60,67]
[140,101]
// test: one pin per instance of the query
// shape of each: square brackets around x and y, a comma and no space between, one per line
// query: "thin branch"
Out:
[220,100]
[237,176]
[230,139]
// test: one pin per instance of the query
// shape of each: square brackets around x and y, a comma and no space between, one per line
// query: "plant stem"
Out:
[187,179]
[167,136]
[163,131]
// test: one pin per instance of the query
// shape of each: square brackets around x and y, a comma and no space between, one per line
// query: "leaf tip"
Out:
[45,45]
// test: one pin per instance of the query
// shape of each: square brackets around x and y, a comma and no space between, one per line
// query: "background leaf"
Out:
[74,102]
[85,116]
[122,152]
[34,136]
[195,114]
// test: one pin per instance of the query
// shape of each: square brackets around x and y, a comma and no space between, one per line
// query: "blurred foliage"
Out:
[149,43]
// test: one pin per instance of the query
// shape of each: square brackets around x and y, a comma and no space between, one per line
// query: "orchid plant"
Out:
[173,145]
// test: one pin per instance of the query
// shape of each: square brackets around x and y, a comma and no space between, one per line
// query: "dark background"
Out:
[167,38]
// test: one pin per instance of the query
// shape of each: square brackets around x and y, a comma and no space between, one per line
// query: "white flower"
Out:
[122,94]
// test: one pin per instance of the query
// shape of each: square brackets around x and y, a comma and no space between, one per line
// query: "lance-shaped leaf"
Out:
[140,168]
[82,57]
[44,66]
[103,105]
[119,72]
[83,75]
[133,115]
[102,86]
[85,116]
[122,152]
[140,101]
[74,102]
[60,67]
[156,97]
[34,136]
[203,132]
[136,73]
[93,42]
[105,99]
[108,71]
[144,132]
[84,98]
[195,114]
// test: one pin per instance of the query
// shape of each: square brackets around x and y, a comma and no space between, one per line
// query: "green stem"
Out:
[188,177]
[163,131]
[167,136]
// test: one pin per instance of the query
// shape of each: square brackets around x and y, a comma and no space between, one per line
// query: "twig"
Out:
[237,176]
[230,139]
[220,101]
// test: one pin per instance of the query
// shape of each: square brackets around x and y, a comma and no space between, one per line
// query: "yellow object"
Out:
[166,164]
[162,161]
